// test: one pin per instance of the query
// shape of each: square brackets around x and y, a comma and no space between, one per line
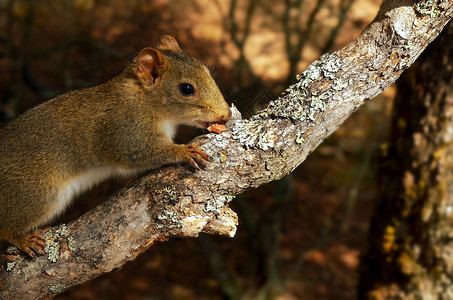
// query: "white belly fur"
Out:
[85,181]
[169,128]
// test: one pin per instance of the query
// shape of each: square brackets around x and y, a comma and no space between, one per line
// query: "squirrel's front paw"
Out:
[195,156]
[33,243]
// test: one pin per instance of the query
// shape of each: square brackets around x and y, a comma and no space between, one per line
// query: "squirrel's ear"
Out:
[150,64]
[167,42]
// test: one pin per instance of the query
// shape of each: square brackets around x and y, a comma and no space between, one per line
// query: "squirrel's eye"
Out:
[186,89]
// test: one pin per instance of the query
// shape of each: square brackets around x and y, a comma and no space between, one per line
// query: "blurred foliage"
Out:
[298,238]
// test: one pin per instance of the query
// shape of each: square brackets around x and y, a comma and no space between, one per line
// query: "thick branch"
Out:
[175,202]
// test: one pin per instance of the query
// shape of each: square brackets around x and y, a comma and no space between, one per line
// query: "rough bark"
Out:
[176,202]
[411,240]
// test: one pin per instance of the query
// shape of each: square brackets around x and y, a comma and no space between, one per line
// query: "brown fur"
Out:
[63,146]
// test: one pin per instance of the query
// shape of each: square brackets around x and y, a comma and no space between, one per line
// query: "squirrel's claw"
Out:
[33,243]
[195,157]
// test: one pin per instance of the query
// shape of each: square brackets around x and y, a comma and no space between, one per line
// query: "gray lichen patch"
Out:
[53,250]
[300,137]
[12,254]
[303,102]
[338,85]
[159,225]
[429,7]
[222,156]
[12,250]
[166,217]
[219,139]
[59,230]
[409,45]
[71,244]
[52,238]
[330,65]
[57,288]
[10,265]
[169,195]
[270,134]
[214,205]
[255,133]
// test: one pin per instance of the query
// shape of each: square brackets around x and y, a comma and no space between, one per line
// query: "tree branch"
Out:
[175,202]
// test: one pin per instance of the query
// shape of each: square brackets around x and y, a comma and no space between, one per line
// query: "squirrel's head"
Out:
[181,85]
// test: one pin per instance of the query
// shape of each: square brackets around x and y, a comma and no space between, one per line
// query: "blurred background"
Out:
[298,238]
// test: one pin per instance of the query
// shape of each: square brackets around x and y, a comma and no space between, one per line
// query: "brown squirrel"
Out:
[60,148]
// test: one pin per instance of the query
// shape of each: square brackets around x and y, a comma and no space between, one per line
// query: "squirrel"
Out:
[62,147]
